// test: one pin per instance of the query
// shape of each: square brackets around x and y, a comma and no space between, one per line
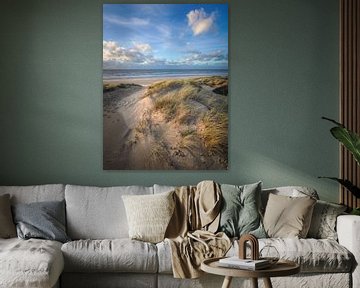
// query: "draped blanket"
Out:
[191,232]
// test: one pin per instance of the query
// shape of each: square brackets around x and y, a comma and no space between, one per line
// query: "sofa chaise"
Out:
[101,254]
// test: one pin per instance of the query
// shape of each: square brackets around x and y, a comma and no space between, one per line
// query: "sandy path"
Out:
[120,119]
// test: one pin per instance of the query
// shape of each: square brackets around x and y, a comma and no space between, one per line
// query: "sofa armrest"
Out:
[348,230]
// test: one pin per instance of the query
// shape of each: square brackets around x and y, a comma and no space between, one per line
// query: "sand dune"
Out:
[171,124]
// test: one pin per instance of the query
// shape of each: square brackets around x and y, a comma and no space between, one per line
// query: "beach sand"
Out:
[156,126]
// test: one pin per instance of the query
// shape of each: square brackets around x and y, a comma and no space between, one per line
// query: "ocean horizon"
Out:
[109,74]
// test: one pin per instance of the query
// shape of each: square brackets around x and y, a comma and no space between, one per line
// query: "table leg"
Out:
[267,283]
[254,282]
[227,282]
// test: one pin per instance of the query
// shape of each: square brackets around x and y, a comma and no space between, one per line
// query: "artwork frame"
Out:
[165,87]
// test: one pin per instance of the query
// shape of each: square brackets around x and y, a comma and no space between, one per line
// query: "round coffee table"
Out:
[281,268]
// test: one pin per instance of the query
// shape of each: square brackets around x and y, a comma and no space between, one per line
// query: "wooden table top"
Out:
[281,268]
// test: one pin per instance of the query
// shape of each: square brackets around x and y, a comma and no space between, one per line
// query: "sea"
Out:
[109,74]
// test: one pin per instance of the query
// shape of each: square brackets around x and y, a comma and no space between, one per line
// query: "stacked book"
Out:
[248,264]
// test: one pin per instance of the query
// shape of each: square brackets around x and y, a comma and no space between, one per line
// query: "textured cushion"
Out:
[7,227]
[37,193]
[323,222]
[31,263]
[287,216]
[117,255]
[313,255]
[44,220]
[240,210]
[98,213]
[149,215]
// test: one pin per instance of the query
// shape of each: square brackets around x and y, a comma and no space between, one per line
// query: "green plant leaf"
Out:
[348,138]
[347,184]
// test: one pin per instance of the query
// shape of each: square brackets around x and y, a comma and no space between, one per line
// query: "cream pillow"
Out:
[288,217]
[149,215]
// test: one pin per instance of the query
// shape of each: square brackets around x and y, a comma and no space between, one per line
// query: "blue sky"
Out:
[155,36]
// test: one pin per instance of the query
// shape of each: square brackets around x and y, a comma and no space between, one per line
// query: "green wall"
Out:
[283,78]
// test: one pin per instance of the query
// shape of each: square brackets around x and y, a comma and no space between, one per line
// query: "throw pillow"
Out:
[149,215]
[288,217]
[7,227]
[323,222]
[240,210]
[44,220]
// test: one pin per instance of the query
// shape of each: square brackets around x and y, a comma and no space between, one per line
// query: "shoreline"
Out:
[146,81]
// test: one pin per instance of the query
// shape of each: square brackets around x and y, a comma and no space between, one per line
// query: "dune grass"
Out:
[108,87]
[214,131]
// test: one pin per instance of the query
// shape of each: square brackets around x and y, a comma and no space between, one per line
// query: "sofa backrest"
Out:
[36,193]
[98,212]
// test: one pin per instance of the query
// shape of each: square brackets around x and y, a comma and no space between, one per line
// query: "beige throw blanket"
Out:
[191,231]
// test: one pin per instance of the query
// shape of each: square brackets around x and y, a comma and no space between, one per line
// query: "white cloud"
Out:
[133,21]
[116,56]
[142,47]
[199,21]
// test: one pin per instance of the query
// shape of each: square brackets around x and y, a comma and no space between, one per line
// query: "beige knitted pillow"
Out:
[288,217]
[148,215]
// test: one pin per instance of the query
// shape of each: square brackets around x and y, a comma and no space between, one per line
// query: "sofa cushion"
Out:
[240,210]
[323,222]
[43,220]
[30,263]
[149,215]
[313,255]
[37,193]
[98,213]
[117,255]
[287,216]
[7,226]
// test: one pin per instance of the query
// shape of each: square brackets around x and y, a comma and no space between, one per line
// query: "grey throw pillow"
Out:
[7,227]
[44,220]
[323,222]
[240,213]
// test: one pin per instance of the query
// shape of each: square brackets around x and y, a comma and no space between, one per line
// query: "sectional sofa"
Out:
[100,253]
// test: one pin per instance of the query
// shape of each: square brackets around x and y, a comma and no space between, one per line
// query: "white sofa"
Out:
[101,254]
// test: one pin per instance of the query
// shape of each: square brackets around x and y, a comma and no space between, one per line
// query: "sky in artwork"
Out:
[165,36]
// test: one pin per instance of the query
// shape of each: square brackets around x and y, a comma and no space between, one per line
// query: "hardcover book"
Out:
[236,262]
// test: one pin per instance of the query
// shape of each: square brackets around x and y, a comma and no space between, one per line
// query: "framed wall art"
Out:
[165,86]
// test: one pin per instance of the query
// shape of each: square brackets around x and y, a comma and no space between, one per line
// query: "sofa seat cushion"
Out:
[313,255]
[115,255]
[30,263]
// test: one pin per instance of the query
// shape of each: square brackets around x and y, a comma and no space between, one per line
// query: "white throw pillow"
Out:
[149,215]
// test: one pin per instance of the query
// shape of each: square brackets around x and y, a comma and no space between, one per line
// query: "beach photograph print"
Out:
[165,87]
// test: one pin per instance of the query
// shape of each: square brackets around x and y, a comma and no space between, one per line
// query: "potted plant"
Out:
[351,141]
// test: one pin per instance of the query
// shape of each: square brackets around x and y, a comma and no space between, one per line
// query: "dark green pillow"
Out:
[240,210]
[43,220]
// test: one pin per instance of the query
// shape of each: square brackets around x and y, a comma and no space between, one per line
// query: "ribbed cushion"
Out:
[30,263]
[117,255]
[98,213]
